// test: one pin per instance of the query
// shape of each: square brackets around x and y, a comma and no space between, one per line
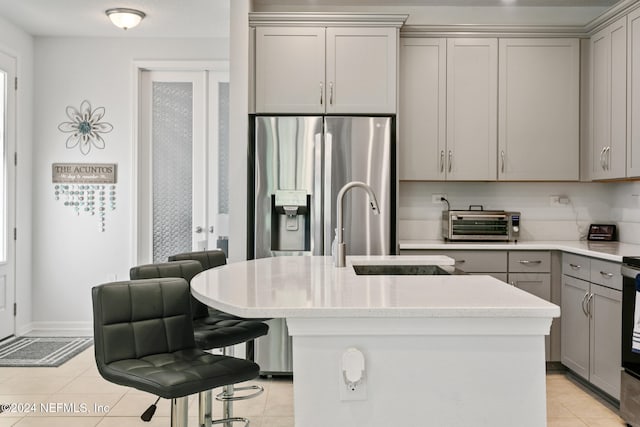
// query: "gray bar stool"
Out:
[209,259]
[212,329]
[143,335]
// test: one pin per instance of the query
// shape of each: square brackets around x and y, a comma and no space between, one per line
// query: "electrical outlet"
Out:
[437,198]
[357,391]
[559,200]
[352,381]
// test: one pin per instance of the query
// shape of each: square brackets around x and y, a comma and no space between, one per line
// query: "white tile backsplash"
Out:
[617,203]
[417,229]
[625,210]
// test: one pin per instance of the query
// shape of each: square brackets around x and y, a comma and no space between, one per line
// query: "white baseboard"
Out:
[56,329]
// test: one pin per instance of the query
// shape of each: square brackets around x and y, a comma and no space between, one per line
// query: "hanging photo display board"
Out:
[88,188]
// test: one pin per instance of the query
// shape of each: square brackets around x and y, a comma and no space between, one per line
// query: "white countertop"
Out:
[612,251]
[310,286]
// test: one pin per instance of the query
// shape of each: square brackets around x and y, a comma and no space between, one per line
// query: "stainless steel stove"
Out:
[630,380]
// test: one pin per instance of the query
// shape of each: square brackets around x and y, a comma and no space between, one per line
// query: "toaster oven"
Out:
[480,225]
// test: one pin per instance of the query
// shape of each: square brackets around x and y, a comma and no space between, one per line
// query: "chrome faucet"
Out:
[339,259]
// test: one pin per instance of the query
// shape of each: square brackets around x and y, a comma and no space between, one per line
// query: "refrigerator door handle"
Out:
[328,205]
[316,220]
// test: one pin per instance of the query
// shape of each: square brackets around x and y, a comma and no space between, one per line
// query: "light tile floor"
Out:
[74,395]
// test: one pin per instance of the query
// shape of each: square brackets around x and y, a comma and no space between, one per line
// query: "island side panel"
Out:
[434,380]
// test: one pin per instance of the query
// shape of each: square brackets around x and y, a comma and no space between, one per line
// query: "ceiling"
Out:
[165,18]
[466,3]
[195,18]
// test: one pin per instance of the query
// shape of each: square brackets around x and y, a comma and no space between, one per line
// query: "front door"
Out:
[7,194]
[182,133]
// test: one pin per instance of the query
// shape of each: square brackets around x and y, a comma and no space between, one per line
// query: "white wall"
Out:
[70,254]
[17,43]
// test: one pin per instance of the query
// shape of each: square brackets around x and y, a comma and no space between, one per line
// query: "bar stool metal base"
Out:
[227,396]
[179,411]
[205,412]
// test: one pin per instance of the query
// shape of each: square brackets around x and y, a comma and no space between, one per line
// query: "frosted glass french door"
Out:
[7,195]
[182,135]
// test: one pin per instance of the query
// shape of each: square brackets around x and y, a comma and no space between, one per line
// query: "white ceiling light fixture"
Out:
[125,18]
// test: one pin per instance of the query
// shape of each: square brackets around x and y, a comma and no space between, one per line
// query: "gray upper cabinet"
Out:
[538,119]
[422,115]
[483,109]
[472,113]
[290,70]
[633,94]
[609,101]
[448,109]
[316,70]
[361,70]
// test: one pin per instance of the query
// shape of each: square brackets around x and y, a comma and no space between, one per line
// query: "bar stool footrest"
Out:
[223,397]
[232,420]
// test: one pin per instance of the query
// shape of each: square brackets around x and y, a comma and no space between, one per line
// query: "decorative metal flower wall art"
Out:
[85,127]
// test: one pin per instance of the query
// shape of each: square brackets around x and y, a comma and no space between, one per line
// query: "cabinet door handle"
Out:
[602,157]
[450,160]
[441,161]
[589,306]
[608,157]
[502,161]
[321,93]
[460,261]
[607,275]
[584,300]
[330,93]
[575,266]
[526,262]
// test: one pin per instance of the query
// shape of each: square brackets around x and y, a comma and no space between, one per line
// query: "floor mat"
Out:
[41,351]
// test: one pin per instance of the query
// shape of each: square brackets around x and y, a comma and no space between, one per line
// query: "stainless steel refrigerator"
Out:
[299,166]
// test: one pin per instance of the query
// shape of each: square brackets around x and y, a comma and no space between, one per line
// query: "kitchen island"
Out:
[438,350]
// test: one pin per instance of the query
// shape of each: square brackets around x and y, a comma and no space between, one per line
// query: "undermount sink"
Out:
[396,270]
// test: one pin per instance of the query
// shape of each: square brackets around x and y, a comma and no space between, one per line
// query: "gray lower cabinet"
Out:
[538,284]
[591,322]
[575,325]
[526,270]
[531,272]
[491,263]
[605,336]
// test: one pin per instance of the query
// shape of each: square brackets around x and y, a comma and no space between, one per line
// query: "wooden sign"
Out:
[84,173]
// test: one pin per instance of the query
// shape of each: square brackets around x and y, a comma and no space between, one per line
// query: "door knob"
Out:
[198,229]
